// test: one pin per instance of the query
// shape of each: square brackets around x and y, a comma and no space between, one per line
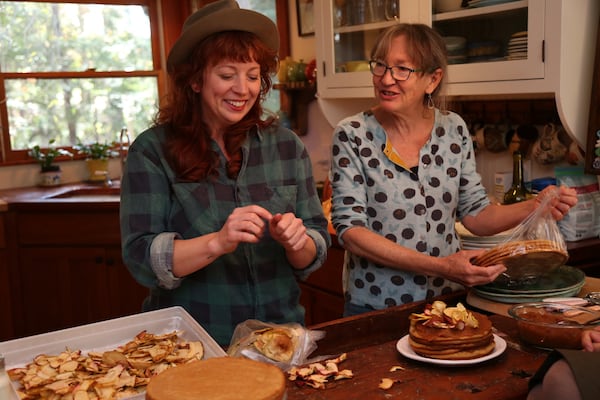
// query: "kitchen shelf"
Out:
[294,104]
[479,11]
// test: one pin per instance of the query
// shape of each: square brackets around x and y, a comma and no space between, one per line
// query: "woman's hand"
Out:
[461,270]
[245,224]
[288,230]
[561,201]
[590,339]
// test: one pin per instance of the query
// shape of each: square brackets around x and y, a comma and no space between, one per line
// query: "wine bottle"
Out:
[517,192]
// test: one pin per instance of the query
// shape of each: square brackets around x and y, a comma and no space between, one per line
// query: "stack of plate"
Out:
[457,49]
[470,241]
[564,281]
[517,46]
[484,3]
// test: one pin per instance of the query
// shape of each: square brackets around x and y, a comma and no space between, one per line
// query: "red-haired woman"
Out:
[219,210]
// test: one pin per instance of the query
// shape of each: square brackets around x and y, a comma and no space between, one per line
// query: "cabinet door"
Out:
[62,287]
[126,295]
[346,31]
[320,306]
[6,327]
[497,42]
[501,41]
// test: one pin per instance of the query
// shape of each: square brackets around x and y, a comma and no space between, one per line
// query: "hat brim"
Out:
[225,20]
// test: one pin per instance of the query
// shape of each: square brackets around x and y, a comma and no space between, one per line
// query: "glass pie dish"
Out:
[552,325]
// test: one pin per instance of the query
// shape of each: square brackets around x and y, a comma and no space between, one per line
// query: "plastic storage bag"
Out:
[535,247]
[284,345]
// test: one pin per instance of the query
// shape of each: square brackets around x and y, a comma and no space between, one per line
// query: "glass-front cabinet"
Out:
[489,40]
[496,49]
[494,40]
[345,32]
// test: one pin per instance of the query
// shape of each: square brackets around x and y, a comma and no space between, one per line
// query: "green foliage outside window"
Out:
[75,72]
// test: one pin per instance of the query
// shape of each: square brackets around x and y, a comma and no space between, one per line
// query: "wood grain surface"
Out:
[370,342]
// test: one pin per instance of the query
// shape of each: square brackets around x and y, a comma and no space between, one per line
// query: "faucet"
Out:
[124,142]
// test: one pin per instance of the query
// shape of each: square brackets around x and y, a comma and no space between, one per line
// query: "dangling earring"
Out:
[430,103]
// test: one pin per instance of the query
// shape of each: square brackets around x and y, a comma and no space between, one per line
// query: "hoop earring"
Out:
[430,103]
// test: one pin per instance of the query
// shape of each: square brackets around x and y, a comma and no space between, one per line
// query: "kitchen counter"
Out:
[69,195]
[370,342]
[583,251]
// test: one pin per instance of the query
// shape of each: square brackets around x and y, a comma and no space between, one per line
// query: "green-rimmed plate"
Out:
[526,298]
[562,279]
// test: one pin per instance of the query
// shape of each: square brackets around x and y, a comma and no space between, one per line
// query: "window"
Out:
[81,70]
[266,7]
[75,72]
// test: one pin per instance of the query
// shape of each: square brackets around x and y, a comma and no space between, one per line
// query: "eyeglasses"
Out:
[398,72]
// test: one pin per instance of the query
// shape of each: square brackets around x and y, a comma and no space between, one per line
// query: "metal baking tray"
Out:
[106,335]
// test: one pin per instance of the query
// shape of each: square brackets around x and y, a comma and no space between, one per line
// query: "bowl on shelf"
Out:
[441,6]
[357,65]
[551,325]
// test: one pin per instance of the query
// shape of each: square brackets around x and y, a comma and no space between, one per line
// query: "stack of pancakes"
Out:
[451,343]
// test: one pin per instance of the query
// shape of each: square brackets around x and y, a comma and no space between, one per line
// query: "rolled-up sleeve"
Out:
[161,259]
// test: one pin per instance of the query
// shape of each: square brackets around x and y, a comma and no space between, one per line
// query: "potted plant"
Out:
[50,172]
[97,155]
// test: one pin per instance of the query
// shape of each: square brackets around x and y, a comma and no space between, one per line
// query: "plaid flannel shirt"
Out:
[255,281]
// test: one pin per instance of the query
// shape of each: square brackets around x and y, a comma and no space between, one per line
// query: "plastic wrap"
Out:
[535,247]
[251,338]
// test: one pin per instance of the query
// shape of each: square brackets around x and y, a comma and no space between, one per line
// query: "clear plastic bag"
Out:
[535,247]
[253,339]
[540,225]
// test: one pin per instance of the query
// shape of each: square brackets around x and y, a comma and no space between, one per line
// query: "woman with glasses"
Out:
[402,173]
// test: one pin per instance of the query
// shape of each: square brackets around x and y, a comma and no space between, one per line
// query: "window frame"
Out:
[8,156]
[166,20]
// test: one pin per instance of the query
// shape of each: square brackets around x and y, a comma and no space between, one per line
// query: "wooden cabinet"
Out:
[322,294]
[68,286]
[561,36]
[69,270]
[6,324]
[584,254]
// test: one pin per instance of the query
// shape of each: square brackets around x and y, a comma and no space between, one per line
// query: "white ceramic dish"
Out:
[107,335]
[404,348]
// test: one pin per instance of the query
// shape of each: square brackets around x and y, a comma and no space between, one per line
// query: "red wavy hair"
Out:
[188,139]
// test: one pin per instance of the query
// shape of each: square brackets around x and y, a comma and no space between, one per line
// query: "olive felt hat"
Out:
[220,16]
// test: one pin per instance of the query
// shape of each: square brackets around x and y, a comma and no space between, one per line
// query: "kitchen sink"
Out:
[88,193]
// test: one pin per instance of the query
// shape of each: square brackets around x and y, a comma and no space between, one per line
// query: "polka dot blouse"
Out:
[414,208]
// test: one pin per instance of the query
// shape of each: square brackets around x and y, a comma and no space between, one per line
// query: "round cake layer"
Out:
[220,378]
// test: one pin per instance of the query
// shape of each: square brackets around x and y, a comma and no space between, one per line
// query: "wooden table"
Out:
[370,342]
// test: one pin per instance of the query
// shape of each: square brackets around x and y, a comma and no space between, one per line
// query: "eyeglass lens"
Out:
[398,73]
